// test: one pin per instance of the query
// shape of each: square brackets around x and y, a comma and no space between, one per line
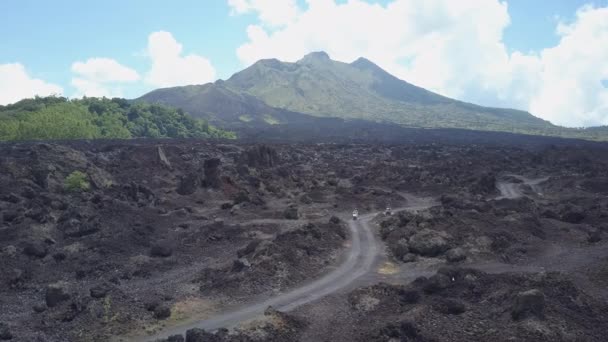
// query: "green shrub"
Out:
[76,181]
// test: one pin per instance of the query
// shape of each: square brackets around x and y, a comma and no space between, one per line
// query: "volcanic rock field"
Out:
[226,241]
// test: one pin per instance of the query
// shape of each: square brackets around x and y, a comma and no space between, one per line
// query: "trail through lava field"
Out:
[222,241]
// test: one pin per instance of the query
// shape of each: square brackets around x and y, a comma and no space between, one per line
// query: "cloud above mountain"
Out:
[97,77]
[454,48]
[171,68]
[168,67]
[16,84]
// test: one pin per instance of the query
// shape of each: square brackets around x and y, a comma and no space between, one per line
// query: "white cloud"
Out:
[271,12]
[105,70]
[16,84]
[97,77]
[452,47]
[572,72]
[170,68]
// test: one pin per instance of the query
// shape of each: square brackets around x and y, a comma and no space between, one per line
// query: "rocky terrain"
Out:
[160,233]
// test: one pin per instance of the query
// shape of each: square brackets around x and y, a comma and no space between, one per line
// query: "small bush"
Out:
[76,181]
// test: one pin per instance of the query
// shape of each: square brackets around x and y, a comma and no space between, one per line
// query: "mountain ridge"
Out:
[271,92]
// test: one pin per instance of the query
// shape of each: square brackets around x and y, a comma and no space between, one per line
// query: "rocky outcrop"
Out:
[161,249]
[162,158]
[291,213]
[56,293]
[260,156]
[529,304]
[188,184]
[76,228]
[5,332]
[99,291]
[455,255]
[162,311]
[429,242]
[36,249]
[212,173]
[200,335]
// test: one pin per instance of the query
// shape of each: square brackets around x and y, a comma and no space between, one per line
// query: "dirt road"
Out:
[359,260]
[514,190]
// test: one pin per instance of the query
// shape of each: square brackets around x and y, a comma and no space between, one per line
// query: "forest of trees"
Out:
[48,118]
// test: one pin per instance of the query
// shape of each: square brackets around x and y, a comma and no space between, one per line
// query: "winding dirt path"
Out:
[512,190]
[360,259]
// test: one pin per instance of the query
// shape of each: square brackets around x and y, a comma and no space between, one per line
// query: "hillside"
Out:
[45,118]
[319,86]
[272,92]
[221,106]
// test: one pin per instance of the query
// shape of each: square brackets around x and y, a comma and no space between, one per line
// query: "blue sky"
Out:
[48,37]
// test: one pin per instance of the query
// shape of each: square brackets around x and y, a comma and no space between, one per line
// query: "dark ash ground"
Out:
[513,248]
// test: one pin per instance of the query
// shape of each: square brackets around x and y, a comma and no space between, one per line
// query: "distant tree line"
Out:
[52,117]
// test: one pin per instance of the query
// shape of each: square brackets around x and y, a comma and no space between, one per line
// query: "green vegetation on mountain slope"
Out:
[271,91]
[90,118]
[319,86]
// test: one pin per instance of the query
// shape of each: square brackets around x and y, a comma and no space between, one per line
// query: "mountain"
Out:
[271,92]
[319,86]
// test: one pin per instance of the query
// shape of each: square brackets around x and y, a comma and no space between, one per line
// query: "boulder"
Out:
[437,283]
[188,184]
[139,193]
[11,197]
[400,250]
[212,173]
[594,236]
[259,156]
[486,184]
[305,199]
[15,277]
[573,215]
[409,257]
[334,220]
[75,228]
[429,243]
[175,338]
[291,213]
[344,184]
[409,296]
[449,306]
[200,335]
[56,293]
[152,304]
[99,291]
[10,215]
[455,255]
[35,249]
[250,248]
[528,304]
[39,308]
[162,312]
[38,214]
[9,251]
[240,264]
[162,158]
[241,197]
[5,332]
[161,250]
